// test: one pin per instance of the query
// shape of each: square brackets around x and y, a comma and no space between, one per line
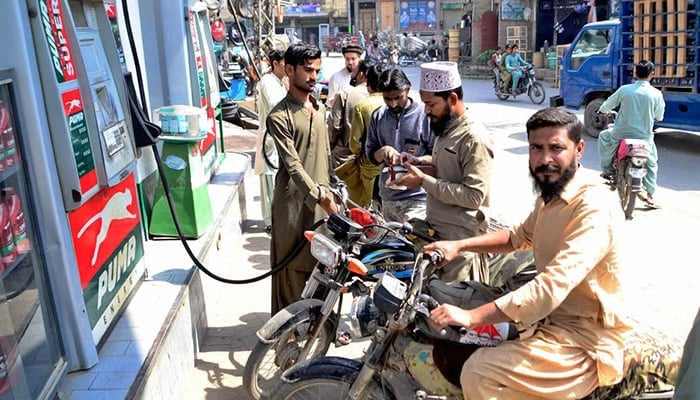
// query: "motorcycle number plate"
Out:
[637,172]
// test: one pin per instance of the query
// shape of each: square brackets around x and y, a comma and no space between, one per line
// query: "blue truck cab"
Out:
[602,56]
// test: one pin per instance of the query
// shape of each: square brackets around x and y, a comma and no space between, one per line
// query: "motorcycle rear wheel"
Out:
[536,93]
[326,388]
[267,361]
[628,197]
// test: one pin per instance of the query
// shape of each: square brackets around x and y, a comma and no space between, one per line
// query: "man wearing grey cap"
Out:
[462,157]
[341,79]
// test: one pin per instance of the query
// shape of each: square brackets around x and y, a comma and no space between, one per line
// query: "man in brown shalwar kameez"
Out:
[574,306]
[298,127]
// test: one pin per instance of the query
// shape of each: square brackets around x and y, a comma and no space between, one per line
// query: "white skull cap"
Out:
[439,76]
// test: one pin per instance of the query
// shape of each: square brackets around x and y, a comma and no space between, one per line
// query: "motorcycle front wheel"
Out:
[326,388]
[404,60]
[628,197]
[536,93]
[267,361]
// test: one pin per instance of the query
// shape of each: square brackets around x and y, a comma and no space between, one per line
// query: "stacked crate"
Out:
[664,32]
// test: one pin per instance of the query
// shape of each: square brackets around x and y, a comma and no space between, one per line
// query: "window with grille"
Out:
[517,35]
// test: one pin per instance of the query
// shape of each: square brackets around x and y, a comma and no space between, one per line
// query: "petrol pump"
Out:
[86,104]
[206,86]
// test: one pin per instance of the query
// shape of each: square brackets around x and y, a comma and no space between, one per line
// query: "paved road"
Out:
[663,272]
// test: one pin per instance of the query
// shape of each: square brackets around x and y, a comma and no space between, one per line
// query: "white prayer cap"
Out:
[439,76]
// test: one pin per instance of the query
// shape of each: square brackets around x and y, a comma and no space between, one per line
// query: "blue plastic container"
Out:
[237,89]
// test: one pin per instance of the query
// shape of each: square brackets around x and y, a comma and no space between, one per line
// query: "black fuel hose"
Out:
[171,204]
[166,187]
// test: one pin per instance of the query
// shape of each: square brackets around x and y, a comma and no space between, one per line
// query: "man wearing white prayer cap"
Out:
[462,159]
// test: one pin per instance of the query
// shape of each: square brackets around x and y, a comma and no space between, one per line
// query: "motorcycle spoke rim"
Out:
[285,354]
[320,390]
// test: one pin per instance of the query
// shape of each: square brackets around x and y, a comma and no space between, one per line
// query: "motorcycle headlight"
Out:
[325,250]
[639,161]
[532,72]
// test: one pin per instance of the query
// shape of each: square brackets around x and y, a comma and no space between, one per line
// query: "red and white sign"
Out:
[218,30]
[100,225]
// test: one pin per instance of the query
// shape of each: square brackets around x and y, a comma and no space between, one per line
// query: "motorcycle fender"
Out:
[286,318]
[341,369]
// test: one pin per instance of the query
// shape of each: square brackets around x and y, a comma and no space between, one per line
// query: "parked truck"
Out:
[602,56]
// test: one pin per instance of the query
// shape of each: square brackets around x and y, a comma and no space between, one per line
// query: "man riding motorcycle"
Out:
[640,105]
[513,63]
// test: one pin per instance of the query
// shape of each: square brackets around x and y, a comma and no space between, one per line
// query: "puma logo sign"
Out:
[115,209]
[73,104]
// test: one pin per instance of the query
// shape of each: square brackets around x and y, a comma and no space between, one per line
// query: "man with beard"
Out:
[342,111]
[399,127]
[341,79]
[462,159]
[572,308]
[302,196]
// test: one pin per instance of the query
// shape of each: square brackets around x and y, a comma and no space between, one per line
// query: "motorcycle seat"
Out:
[634,147]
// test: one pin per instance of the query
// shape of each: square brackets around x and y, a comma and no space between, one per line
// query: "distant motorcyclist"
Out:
[513,63]
[374,52]
[640,105]
[494,63]
[505,75]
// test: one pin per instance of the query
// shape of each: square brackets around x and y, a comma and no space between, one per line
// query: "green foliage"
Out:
[483,58]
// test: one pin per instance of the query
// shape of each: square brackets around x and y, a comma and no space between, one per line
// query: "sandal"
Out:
[343,338]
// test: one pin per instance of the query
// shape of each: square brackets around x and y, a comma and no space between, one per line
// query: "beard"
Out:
[307,87]
[348,68]
[550,189]
[439,124]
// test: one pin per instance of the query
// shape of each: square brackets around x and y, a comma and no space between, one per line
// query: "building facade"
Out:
[482,24]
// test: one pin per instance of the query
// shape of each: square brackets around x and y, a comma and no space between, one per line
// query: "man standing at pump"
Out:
[462,158]
[341,79]
[298,127]
[342,112]
[271,89]
[358,172]
[398,128]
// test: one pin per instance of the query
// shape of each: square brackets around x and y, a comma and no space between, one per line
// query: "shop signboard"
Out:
[417,15]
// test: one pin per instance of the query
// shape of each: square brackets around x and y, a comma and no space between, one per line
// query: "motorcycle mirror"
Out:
[309,235]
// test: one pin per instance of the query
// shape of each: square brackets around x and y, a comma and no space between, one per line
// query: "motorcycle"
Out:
[414,51]
[629,169]
[347,263]
[527,84]
[414,56]
[402,362]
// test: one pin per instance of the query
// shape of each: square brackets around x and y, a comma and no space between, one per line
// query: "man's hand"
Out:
[388,155]
[447,314]
[327,202]
[449,248]
[412,179]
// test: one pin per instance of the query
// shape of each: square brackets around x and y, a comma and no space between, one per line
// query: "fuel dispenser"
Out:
[91,135]
[205,83]
[77,59]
